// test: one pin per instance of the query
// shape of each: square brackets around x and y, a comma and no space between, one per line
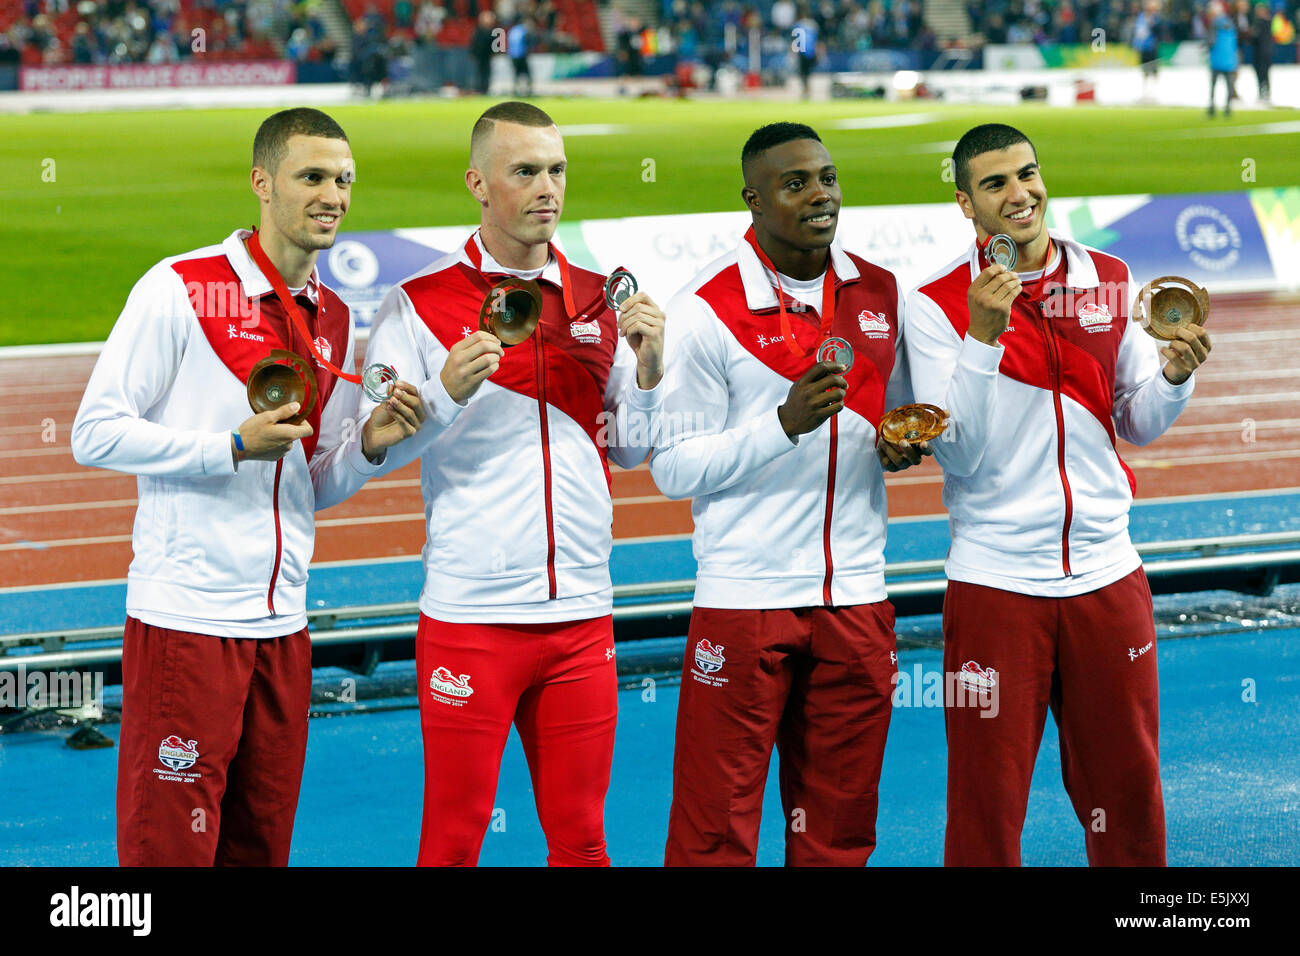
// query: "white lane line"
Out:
[652,539]
[1263,129]
[35,452]
[26,545]
[89,473]
[25,390]
[39,406]
[1242,456]
[1269,424]
[1172,461]
[1218,338]
[19,429]
[886,121]
[946,147]
[1261,398]
[69,506]
[320,522]
[1246,374]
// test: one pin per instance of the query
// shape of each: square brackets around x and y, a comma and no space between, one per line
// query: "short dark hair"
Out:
[983,139]
[511,111]
[773,134]
[273,135]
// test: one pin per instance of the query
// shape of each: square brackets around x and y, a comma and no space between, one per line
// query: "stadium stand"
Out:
[650,36]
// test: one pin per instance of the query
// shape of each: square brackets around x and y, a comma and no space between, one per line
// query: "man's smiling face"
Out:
[310,190]
[1006,195]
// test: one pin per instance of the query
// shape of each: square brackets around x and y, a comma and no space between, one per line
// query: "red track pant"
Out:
[817,682]
[558,684]
[1092,659]
[214,734]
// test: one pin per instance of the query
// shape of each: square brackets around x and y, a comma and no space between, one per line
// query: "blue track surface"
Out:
[1231,768]
[1231,774]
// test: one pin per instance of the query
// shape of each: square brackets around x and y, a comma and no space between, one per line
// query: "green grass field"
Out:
[133,187]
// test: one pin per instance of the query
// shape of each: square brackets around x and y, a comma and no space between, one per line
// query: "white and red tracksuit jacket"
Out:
[779,523]
[1037,495]
[216,550]
[516,483]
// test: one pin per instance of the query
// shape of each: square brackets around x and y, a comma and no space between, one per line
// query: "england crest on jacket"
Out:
[177,755]
[449,688]
[874,325]
[586,332]
[977,678]
[708,661]
[1094,317]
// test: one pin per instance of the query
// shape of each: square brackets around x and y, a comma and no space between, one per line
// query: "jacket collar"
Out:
[551,271]
[760,292]
[254,284]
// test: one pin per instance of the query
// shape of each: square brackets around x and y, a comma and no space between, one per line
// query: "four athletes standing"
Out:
[773,436]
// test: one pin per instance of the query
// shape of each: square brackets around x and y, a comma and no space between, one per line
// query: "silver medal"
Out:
[376,379]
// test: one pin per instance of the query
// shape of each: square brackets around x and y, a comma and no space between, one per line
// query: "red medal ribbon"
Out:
[828,297]
[291,308]
[566,286]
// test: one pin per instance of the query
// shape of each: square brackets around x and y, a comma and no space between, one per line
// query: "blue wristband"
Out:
[239,442]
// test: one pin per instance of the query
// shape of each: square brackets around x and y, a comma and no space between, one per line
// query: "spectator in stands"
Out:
[1261,46]
[545,17]
[428,22]
[369,64]
[517,42]
[299,45]
[375,23]
[1283,29]
[481,47]
[1147,27]
[83,43]
[403,14]
[628,56]
[163,49]
[806,35]
[1223,53]
[783,14]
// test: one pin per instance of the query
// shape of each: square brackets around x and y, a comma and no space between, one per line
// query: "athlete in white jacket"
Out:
[791,639]
[516,610]
[216,660]
[1047,604]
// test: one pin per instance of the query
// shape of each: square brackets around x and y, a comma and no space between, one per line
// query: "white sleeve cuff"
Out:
[1174,393]
[217,456]
[647,399]
[978,356]
[771,437]
[444,407]
[358,461]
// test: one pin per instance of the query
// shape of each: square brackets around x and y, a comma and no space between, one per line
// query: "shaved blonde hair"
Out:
[514,111]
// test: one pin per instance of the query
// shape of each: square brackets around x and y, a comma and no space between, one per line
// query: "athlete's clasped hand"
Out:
[903,455]
[469,361]
[989,300]
[817,396]
[1186,353]
[641,322]
[396,418]
[267,437]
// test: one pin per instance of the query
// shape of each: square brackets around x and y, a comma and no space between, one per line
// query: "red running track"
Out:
[60,522]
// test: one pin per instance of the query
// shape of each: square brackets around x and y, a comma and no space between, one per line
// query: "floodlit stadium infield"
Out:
[130,188]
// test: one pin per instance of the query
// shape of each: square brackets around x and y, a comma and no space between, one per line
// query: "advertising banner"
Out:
[1223,241]
[137,76]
